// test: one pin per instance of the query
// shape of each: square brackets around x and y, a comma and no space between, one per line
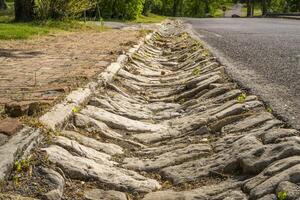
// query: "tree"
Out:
[249,12]
[3,5]
[24,10]
[264,7]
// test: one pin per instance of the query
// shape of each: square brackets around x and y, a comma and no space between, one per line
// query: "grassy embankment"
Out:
[12,30]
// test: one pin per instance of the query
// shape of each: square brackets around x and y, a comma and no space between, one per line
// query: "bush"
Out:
[59,9]
[121,9]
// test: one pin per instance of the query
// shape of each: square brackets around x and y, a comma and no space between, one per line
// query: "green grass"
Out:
[257,10]
[151,18]
[10,30]
[219,12]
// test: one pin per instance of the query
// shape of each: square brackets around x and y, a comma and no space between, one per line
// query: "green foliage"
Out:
[20,31]
[196,71]
[8,14]
[10,31]
[59,9]
[121,9]
[151,18]
[282,195]
[269,109]
[242,97]
[21,165]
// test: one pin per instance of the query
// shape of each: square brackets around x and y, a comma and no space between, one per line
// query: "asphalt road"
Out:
[262,54]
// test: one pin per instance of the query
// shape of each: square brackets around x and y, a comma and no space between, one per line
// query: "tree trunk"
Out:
[181,8]
[175,6]
[164,7]
[24,10]
[3,5]
[248,8]
[252,9]
[264,7]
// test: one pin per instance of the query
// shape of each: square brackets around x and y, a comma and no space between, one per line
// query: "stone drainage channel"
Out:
[170,125]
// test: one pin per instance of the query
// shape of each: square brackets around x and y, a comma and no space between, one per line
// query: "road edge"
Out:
[228,66]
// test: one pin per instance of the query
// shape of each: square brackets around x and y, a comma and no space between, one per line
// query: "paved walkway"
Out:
[44,69]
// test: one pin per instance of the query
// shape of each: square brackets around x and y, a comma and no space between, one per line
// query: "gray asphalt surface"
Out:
[262,54]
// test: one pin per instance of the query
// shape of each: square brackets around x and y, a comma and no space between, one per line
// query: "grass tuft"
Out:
[151,18]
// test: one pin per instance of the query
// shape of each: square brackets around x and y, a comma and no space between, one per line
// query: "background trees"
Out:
[24,10]
[27,10]
[3,5]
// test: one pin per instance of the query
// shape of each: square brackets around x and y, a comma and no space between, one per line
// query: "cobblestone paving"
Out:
[171,126]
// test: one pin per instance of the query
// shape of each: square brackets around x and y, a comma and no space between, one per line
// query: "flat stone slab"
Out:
[86,169]
[108,148]
[174,157]
[10,126]
[21,142]
[98,194]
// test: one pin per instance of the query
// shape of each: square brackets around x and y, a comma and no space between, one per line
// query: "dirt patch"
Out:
[44,69]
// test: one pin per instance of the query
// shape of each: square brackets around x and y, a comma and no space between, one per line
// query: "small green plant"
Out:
[101,24]
[269,109]
[22,165]
[196,71]
[16,179]
[75,110]
[242,97]
[282,195]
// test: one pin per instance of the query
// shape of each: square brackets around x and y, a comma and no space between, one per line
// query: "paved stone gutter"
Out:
[168,124]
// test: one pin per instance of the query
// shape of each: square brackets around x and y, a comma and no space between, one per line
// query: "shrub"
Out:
[58,9]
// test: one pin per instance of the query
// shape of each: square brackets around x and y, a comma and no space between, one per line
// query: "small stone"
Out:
[204,140]
[18,109]
[97,194]
[3,139]
[10,126]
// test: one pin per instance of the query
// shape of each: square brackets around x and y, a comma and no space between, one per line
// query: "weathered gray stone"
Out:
[3,139]
[93,125]
[108,148]
[167,159]
[119,122]
[58,115]
[83,151]
[269,186]
[292,190]
[269,197]
[273,135]
[57,180]
[18,143]
[257,159]
[98,194]
[86,169]
[227,189]
[249,122]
